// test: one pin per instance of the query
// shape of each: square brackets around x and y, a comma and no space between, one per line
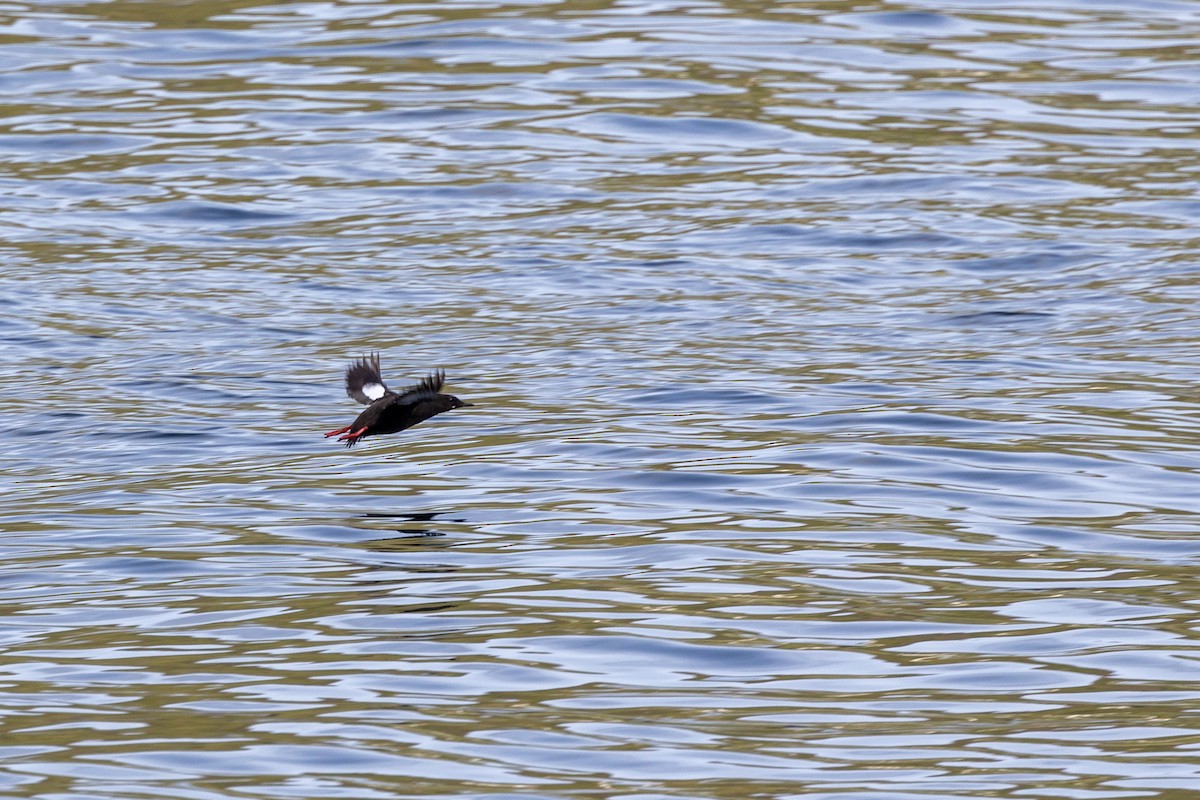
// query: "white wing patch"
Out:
[374,390]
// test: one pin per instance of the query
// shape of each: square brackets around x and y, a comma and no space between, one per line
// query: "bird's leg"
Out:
[339,430]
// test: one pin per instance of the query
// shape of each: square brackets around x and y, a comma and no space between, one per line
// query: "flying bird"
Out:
[387,411]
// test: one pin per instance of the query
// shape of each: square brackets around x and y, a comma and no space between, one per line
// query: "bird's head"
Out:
[456,403]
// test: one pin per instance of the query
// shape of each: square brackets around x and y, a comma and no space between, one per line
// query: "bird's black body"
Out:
[387,411]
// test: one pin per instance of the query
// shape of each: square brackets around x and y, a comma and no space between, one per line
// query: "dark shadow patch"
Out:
[991,319]
[213,214]
[1043,261]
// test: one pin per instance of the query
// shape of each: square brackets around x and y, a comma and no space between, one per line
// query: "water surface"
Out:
[836,427]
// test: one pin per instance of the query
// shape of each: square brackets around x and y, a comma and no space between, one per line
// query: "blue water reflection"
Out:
[834,369]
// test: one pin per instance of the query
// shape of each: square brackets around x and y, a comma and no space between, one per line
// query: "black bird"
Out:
[387,411]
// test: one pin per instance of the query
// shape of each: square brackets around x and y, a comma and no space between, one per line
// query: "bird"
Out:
[387,411]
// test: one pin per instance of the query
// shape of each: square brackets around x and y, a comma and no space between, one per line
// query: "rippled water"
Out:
[835,368]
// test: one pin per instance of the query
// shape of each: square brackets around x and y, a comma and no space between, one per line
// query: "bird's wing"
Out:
[363,381]
[427,388]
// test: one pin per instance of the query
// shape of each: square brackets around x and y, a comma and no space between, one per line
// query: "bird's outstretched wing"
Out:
[363,381]
[426,389]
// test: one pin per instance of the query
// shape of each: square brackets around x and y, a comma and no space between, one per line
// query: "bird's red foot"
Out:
[339,430]
[352,437]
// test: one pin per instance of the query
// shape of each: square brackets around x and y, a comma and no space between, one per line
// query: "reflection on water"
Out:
[410,527]
[837,431]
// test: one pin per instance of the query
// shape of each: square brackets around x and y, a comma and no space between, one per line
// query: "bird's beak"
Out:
[465,405]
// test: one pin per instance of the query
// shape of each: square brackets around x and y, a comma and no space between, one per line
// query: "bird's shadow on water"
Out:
[410,534]
[388,565]
[381,530]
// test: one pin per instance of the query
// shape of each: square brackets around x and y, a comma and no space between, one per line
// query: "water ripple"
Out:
[834,372]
